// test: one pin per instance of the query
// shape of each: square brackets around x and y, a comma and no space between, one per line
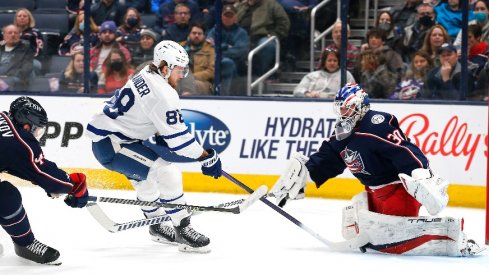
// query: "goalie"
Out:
[397,180]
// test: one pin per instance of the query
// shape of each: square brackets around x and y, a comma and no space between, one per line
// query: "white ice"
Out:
[258,241]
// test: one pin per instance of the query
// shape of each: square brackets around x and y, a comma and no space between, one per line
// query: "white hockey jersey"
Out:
[145,106]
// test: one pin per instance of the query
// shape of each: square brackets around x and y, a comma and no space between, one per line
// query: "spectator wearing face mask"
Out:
[129,32]
[116,72]
[481,14]
[413,35]
[74,39]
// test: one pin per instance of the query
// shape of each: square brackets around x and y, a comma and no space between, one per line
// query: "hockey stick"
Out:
[102,218]
[354,243]
[99,215]
[262,190]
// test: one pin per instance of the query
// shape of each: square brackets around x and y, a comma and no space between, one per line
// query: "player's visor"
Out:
[181,71]
[38,131]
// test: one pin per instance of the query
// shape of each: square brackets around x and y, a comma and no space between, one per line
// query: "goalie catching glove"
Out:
[428,189]
[292,182]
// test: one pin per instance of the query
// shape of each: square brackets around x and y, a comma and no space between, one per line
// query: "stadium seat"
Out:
[13,5]
[148,20]
[51,6]
[39,84]
[52,23]
[6,18]
[57,64]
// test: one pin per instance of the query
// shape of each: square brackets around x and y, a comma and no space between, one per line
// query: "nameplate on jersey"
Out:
[140,85]
[5,129]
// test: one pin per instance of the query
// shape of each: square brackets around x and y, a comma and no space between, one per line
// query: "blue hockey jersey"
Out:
[376,152]
[22,156]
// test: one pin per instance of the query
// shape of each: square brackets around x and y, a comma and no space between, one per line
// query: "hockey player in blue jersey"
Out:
[22,156]
[146,106]
[397,180]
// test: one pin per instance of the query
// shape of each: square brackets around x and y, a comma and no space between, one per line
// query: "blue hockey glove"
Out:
[211,164]
[78,196]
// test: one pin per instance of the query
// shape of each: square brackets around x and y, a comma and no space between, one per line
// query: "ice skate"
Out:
[163,234]
[190,240]
[471,248]
[38,252]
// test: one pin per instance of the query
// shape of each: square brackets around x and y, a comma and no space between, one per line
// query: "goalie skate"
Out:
[471,248]
[190,240]
[162,234]
[38,252]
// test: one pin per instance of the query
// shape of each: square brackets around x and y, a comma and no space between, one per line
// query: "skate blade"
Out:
[189,249]
[55,262]
[162,240]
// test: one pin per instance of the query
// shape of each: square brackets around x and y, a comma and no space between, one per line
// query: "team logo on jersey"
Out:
[353,161]
[377,119]
[208,130]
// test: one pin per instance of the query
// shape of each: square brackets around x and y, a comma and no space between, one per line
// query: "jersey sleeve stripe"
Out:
[177,134]
[183,145]
[104,133]
[31,154]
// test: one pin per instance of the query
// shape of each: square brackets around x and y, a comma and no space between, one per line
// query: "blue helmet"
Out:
[350,105]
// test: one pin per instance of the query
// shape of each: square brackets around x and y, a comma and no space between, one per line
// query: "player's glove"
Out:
[428,189]
[78,196]
[292,182]
[211,164]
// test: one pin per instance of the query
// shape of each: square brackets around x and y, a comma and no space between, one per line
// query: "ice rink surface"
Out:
[258,241]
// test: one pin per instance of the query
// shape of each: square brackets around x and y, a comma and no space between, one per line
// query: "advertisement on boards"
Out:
[258,136]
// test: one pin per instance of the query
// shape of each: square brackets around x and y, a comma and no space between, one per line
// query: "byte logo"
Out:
[208,130]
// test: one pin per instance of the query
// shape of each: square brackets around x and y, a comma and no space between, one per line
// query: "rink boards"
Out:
[256,137]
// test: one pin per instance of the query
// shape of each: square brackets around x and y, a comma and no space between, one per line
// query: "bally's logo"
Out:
[207,130]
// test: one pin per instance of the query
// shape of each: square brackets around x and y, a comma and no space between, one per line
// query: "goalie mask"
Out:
[25,110]
[350,105]
[174,55]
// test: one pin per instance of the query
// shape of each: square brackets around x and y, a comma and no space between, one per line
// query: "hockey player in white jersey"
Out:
[146,106]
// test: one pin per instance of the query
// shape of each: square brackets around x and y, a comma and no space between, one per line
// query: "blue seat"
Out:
[57,64]
[52,23]
[148,20]
[39,84]
[13,5]
[51,6]
[6,18]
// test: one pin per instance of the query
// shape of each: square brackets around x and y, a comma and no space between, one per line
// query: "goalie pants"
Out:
[392,200]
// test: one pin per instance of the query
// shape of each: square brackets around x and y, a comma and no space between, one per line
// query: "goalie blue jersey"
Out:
[375,153]
[22,156]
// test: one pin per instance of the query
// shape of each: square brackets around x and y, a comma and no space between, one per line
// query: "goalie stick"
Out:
[102,218]
[348,245]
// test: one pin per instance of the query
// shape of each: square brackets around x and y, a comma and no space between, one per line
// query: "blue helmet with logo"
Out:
[350,105]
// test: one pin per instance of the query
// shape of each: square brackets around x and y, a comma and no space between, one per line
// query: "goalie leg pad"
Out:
[350,228]
[417,236]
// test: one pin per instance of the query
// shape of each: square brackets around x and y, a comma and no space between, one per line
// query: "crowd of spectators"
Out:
[412,51]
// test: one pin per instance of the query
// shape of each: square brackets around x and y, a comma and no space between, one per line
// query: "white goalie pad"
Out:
[293,180]
[417,236]
[428,189]
[349,228]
